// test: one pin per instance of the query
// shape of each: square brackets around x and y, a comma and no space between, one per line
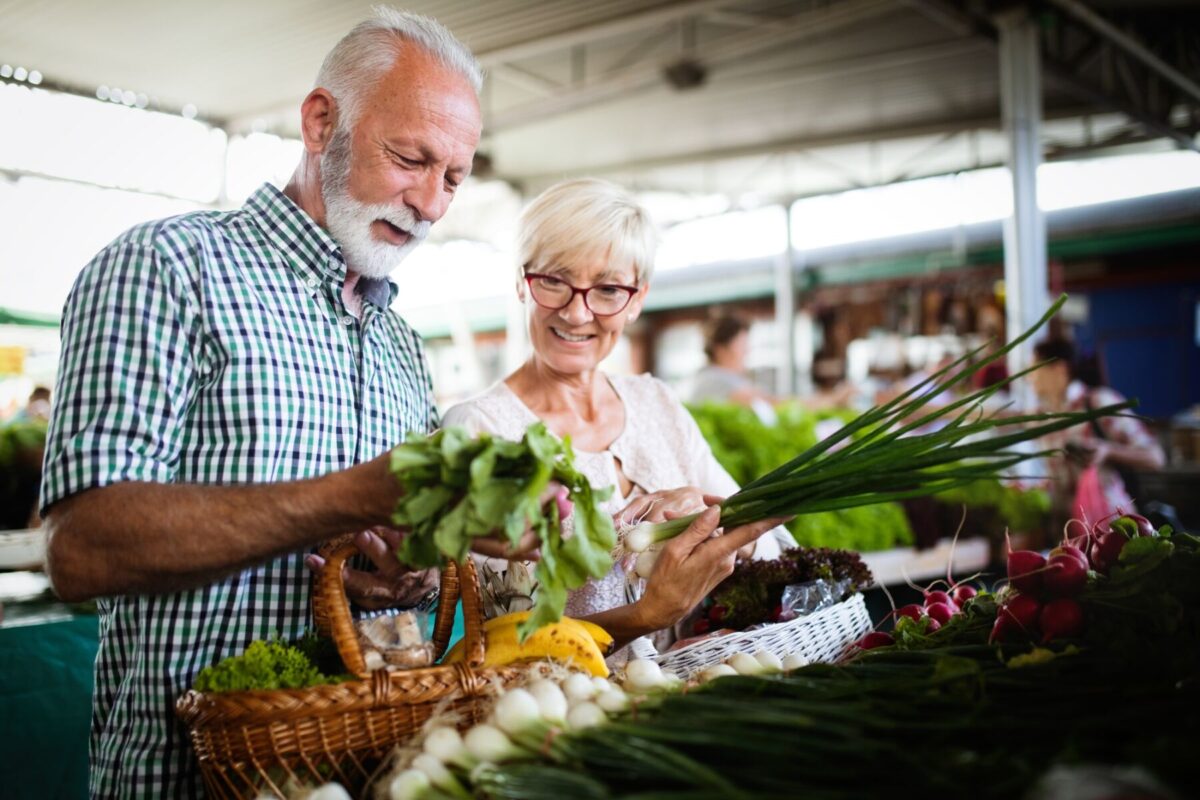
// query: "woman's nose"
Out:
[576,312]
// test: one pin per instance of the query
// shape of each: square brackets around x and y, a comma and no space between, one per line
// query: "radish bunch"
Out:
[938,608]
[1104,542]
[1041,601]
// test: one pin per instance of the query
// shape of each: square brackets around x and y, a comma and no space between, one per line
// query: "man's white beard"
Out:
[349,221]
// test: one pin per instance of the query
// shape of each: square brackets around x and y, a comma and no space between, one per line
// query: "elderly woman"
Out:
[586,251]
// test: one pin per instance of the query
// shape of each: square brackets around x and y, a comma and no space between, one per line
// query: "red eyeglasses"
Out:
[603,299]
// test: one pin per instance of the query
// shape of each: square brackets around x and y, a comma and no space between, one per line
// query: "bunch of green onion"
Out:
[881,455]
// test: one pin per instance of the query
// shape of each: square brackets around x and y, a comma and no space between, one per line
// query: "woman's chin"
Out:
[569,362]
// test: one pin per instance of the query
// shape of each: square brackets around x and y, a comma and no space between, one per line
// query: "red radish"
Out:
[1132,525]
[874,639]
[1061,618]
[1024,570]
[1065,575]
[912,611]
[962,593]
[1073,551]
[931,625]
[1106,550]
[1003,630]
[939,612]
[1022,610]
[938,596]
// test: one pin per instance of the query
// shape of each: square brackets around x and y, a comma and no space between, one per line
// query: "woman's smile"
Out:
[572,338]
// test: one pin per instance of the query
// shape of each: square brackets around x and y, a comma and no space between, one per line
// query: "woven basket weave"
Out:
[258,742]
[823,636]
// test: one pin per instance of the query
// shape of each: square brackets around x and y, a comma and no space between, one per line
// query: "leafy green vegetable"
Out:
[754,591]
[264,665]
[457,488]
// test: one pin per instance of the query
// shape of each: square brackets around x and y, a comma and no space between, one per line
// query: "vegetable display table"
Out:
[893,567]
[46,702]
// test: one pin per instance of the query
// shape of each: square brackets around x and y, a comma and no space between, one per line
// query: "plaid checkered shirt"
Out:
[215,348]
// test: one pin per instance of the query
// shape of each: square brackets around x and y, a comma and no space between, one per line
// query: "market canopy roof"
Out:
[780,98]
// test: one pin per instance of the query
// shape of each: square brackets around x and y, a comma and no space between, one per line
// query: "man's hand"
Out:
[393,585]
[527,548]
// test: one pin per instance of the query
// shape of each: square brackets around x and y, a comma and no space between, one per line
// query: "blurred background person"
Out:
[726,379]
[37,408]
[1109,451]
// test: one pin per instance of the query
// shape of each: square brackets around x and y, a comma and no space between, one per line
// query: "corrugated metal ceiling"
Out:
[578,87]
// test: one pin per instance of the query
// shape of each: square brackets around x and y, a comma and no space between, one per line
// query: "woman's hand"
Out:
[392,585]
[691,565]
[664,505]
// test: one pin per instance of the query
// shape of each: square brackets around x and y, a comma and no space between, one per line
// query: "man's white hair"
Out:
[582,219]
[371,48]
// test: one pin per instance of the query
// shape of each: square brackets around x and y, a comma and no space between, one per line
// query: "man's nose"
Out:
[428,197]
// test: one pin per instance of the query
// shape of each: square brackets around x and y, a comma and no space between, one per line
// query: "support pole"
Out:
[785,312]
[1025,276]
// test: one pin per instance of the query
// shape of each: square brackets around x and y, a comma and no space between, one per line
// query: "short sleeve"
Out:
[126,375]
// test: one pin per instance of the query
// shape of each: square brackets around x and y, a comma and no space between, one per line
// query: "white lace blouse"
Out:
[660,448]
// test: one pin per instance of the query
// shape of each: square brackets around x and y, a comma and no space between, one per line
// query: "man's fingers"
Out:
[315,563]
[713,499]
[371,591]
[367,590]
[526,549]
[391,537]
[376,549]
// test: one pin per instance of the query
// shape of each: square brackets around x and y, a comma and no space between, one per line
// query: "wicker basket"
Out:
[258,742]
[823,636]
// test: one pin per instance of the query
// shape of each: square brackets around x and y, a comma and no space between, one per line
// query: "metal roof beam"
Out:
[1129,45]
[601,30]
[989,121]
[733,49]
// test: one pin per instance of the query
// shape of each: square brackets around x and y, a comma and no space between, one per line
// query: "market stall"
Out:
[779,682]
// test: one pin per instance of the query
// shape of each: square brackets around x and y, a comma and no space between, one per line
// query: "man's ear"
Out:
[318,120]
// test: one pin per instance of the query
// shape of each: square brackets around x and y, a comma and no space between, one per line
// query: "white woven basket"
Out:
[819,637]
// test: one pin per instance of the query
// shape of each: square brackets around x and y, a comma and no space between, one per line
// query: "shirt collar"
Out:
[312,253]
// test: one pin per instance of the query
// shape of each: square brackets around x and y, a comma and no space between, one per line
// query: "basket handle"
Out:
[331,607]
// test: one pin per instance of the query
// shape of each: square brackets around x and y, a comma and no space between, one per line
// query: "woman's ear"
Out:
[636,302]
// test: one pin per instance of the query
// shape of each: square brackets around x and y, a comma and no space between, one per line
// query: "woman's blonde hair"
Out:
[579,220]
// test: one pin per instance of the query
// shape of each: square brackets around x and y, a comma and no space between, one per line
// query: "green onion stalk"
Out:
[880,456]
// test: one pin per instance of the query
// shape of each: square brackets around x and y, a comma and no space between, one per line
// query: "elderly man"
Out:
[230,384]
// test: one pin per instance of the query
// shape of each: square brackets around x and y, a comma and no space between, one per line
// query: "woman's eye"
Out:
[551,283]
[607,292]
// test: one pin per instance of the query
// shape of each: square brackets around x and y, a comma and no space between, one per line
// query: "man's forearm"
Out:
[147,538]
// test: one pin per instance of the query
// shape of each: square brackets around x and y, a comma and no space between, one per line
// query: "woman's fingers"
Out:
[700,529]
[736,538]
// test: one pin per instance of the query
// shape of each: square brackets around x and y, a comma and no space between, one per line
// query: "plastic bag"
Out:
[1090,503]
[807,598]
